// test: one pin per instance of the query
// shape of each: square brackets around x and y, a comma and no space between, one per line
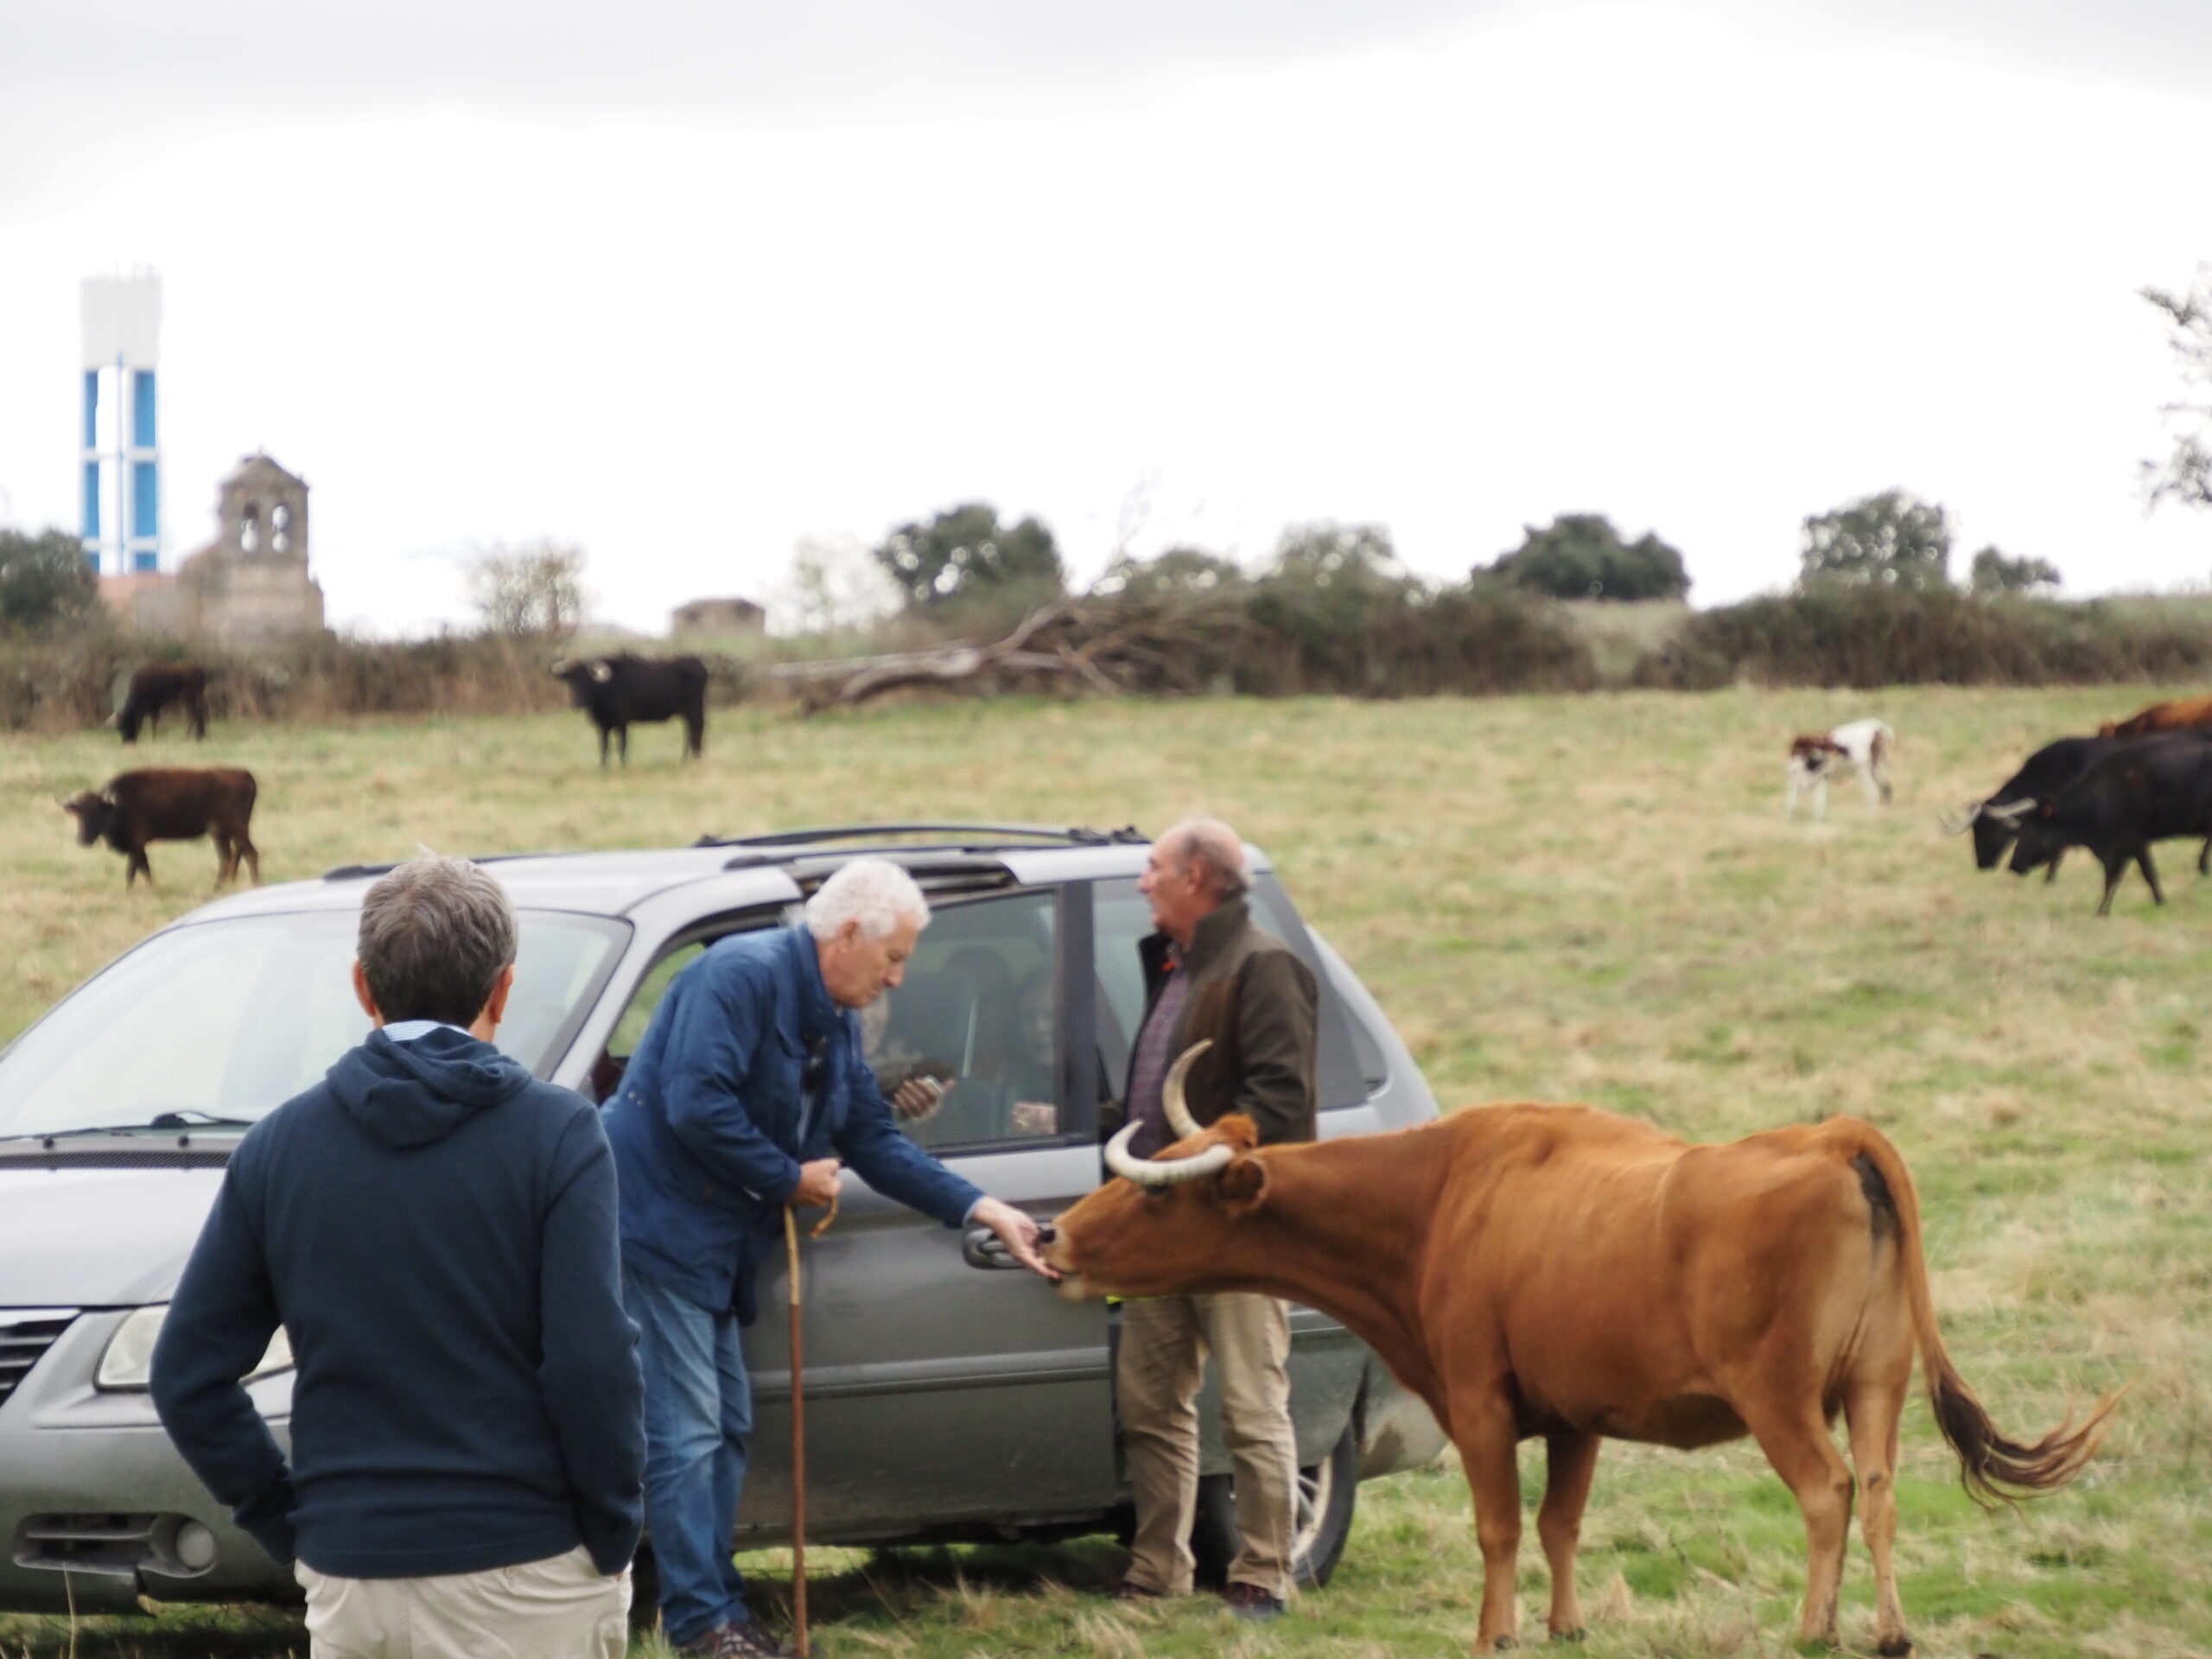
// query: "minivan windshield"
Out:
[229,1019]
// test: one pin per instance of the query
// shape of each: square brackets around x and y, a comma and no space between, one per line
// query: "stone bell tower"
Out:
[251,582]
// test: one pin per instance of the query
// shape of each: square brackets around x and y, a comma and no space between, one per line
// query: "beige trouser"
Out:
[1165,1340]
[558,1608]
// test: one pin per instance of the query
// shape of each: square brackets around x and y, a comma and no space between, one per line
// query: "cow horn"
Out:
[1163,1171]
[562,665]
[1957,823]
[2012,811]
[1170,1092]
[602,672]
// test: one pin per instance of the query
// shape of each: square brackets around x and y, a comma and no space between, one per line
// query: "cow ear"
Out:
[1242,1187]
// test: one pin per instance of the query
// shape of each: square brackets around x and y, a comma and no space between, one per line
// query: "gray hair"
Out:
[873,892]
[1215,851]
[436,932]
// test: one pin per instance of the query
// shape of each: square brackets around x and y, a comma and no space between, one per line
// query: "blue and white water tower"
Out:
[122,318]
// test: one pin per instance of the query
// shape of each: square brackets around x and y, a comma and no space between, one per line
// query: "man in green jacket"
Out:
[1211,975]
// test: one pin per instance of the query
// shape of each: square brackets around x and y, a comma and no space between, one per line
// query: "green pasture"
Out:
[1590,899]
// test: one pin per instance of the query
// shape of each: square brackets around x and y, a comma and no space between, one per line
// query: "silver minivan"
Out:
[947,1398]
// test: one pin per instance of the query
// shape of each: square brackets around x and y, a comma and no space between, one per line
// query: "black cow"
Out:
[154,687]
[2148,790]
[617,691]
[1996,822]
[171,803]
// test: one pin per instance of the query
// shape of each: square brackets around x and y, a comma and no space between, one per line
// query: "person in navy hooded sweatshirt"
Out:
[436,1231]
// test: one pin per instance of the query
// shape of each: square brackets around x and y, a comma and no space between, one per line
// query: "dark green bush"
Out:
[1836,634]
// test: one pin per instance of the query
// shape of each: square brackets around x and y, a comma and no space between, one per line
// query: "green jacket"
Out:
[1253,996]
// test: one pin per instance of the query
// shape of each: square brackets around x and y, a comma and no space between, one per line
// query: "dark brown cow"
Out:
[2178,716]
[1563,1272]
[171,803]
[154,687]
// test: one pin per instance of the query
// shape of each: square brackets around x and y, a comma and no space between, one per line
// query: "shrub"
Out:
[1835,634]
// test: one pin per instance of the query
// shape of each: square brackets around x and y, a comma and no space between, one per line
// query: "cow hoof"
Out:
[1896,1648]
[1578,1634]
[1505,1644]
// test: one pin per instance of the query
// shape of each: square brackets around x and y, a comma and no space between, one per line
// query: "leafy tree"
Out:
[532,592]
[964,552]
[2186,474]
[1179,573]
[1891,540]
[1357,558]
[1581,556]
[46,582]
[1994,572]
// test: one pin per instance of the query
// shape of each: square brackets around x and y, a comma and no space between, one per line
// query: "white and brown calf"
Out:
[1862,745]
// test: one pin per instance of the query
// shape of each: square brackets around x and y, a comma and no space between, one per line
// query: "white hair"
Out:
[873,892]
[1213,848]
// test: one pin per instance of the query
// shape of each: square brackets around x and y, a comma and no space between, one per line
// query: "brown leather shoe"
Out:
[1129,1590]
[1248,1601]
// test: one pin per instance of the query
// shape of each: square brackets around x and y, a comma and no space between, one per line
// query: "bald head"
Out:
[1213,852]
[1196,867]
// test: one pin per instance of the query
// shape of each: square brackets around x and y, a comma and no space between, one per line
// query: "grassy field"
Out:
[1589,899]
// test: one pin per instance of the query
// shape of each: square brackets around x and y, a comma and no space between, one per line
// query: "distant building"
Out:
[250,584]
[718,616]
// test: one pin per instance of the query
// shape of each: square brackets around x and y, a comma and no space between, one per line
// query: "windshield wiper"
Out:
[186,1118]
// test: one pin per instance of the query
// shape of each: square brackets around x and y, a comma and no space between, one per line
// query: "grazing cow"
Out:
[1996,821]
[2152,789]
[616,690]
[154,687]
[2184,715]
[1862,744]
[1565,1272]
[171,803]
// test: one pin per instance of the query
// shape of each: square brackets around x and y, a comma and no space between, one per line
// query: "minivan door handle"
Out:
[981,1247]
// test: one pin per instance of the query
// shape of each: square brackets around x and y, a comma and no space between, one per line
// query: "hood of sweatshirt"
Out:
[412,1094]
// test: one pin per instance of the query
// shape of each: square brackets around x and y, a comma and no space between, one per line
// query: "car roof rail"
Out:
[961,835]
[355,872]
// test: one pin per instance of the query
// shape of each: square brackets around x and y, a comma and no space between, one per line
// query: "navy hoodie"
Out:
[435,1230]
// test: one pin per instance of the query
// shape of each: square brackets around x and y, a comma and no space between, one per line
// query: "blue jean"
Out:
[698,1435]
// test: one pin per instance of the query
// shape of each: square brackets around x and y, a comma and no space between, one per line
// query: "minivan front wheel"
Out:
[1320,1526]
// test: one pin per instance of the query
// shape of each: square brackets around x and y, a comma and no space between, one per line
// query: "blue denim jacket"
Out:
[706,1127]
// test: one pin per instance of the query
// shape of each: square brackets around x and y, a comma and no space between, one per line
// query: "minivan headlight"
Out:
[128,1360]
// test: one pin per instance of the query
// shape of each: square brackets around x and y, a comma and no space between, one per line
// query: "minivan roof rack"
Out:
[962,835]
[354,872]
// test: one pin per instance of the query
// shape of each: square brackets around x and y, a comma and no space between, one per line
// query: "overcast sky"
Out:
[685,282]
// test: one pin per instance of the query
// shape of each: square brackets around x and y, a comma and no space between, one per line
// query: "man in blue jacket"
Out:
[749,1093]
[435,1230]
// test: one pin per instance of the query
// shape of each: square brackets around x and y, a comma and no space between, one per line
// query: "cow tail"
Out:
[1992,1468]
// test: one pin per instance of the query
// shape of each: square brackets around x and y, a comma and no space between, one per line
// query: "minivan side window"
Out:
[967,1049]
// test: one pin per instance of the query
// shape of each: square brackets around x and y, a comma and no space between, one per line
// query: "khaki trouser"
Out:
[558,1608]
[1165,1340]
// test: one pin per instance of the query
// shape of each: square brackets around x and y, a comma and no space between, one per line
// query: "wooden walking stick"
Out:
[798,1443]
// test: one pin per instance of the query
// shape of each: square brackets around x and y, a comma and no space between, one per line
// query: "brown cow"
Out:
[1561,1271]
[2181,717]
[171,803]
